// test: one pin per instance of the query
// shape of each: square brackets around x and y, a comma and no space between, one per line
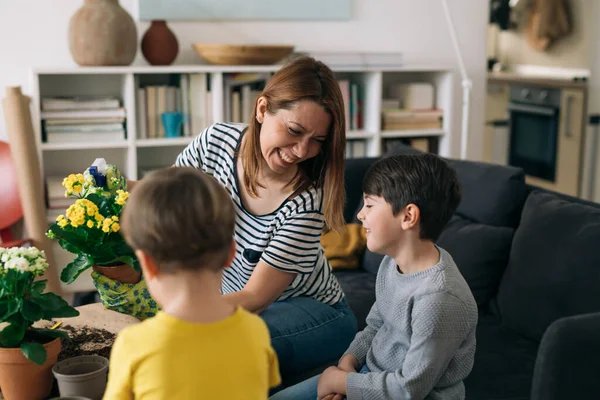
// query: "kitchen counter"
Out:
[547,81]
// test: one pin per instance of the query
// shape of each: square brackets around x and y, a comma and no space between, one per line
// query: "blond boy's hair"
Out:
[182,218]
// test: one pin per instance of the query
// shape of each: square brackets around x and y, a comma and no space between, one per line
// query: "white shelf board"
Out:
[120,144]
[164,142]
[359,135]
[412,133]
[180,69]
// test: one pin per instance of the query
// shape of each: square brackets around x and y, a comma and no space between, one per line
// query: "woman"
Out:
[284,173]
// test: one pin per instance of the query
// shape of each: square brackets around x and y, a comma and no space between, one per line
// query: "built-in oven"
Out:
[533,130]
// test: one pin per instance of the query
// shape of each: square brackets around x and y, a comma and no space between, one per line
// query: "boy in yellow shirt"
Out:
[180,222]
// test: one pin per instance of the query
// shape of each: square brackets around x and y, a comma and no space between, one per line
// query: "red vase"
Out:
[159,44]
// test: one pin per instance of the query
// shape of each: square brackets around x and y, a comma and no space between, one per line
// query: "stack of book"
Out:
[403,119]
[85,119]
[352,104]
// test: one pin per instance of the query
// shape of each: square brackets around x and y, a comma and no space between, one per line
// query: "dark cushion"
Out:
[371,261]
[491,194]
[504,363]
[554,266]
[481,253]
[354,171]
[359,288]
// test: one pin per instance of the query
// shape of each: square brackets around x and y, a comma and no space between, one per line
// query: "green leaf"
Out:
[31,311]
[12,335]
[63,312]
[34,352]
[53,333]
[8,308]
[54,306]
[39,286]
[68,246]
[76,267]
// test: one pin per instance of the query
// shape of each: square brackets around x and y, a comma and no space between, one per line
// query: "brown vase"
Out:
[159,44]
[101,32]
[20,379]
[122,273]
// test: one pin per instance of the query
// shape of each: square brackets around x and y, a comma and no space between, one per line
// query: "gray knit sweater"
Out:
[420,336]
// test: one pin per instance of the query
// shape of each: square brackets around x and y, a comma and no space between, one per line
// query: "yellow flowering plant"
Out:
[90,226]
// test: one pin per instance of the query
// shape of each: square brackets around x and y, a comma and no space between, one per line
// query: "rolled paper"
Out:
[23,149]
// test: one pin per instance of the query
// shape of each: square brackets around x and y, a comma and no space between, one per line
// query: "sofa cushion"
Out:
[504,363]
[491,194]
[359,288]
[481,253]
[554,266]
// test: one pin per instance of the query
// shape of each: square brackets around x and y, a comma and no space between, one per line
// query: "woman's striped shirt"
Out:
[287,239]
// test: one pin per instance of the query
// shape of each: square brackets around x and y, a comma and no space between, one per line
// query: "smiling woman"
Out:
[284,172]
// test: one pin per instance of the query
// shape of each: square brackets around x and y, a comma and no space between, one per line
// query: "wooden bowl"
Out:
[227,54]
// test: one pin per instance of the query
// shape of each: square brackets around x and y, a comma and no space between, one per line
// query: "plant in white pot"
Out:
[27,353]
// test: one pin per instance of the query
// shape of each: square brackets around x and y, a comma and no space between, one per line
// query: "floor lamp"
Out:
[467,84]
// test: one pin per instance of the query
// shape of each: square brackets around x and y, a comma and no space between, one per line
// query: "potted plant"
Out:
[27,353]
[90,226]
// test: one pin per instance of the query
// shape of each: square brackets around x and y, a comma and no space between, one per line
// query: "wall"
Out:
[34,33]
[570,52]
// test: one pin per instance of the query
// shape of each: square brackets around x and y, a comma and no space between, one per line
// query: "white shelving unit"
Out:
[133,154]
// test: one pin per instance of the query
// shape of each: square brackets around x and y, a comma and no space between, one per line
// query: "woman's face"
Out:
[289,137]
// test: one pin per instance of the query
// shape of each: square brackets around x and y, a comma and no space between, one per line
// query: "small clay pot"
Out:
[21,379]
[159,44]
[122,273]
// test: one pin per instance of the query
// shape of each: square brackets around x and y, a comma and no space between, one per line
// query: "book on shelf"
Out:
[79,103]
[405,119]
[352,104]
[240,92]
[189,95]
[82,118]
[356,148]
[79,114]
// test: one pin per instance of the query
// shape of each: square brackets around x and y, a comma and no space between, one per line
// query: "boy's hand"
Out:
[348,363]
[332,382]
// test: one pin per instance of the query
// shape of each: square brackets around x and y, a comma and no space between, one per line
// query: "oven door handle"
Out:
[536,110]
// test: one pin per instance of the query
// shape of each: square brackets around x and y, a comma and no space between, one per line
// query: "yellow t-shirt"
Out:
[168,358]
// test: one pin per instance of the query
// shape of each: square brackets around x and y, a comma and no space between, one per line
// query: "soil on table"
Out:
[86,341]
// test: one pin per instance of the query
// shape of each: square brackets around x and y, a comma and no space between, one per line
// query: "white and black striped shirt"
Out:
[287,239]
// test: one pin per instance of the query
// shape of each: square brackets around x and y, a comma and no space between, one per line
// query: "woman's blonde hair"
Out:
[305,78]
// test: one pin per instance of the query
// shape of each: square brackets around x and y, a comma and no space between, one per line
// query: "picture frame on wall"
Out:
[257,10]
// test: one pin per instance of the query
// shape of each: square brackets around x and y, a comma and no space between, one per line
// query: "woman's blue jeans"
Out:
[305,390]
[306,333]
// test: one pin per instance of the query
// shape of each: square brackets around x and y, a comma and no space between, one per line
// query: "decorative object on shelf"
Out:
[102,33]
[28,353]
[90,227]
[159,44]
[173,122]
[230,54]
[82,376]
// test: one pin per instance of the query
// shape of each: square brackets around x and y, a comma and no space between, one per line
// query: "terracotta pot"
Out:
[20,379]
[159,44]
[101,32]
[122,273]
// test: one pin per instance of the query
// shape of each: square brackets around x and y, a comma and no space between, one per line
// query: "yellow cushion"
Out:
[344,249]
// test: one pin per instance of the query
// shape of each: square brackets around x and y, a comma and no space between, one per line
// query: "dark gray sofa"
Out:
[531,260]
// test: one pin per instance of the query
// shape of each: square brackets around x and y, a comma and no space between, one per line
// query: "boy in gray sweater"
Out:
[419,342]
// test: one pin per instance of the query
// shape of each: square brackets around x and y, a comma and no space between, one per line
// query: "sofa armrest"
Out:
[568,361]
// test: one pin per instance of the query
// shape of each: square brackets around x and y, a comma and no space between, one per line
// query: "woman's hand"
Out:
[265,286]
